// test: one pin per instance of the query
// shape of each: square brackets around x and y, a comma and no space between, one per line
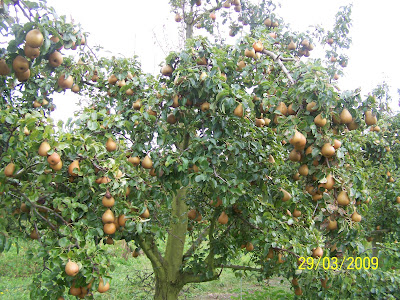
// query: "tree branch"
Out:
[244,268]
[195,244]
[279,60]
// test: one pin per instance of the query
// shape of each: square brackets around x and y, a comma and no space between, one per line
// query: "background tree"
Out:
[231,150]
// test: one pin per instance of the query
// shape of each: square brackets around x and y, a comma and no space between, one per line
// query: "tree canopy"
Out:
[246,149]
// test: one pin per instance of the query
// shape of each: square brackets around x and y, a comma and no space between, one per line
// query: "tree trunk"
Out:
[189,31]
[170,282]
[165,290]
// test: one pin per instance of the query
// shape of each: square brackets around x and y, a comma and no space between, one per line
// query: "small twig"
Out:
[279,60]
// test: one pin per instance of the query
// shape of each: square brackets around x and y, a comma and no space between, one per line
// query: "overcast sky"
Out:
[147,29]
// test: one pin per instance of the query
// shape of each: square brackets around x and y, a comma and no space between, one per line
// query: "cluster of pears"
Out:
[53,159]
[72,269]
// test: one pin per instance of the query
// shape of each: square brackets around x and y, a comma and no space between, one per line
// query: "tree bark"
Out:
[165,290]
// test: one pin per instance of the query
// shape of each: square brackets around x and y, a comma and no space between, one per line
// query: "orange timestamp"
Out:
[335,263]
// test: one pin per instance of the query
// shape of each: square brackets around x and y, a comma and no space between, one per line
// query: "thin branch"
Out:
[195,244]
[216,175]
[279,60]
[244,268]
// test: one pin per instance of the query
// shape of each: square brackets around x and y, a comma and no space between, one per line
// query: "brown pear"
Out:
[9,170]
[303,170]
[296,213]
[24,76]
[370,119]
[223,218]
[44,148]
[134,160]
[249,247]
[108,201]
[109,228]
[330,182]
[34,38]
[319,121]
[343,199]
[312,106]
[291,46]
[239,110]
[122,220]
[65,83]
[282,108]
[57,166]
[356,217]
[286,195]
[345,116]
[30,52]
[71,268]
[111,145]
[103,287]
[108,217]
[145,214]
[74,168]
[4,69]
[332,224]
[147,163]
[337,144]
[20,64]
[295,155]
[55,59]
[317,252]
[112,79]
[327,150]
[166,70]
[54,158]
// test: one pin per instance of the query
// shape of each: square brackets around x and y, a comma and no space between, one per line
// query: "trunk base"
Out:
[166,290]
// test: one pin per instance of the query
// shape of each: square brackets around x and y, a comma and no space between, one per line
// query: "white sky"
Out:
[140,27]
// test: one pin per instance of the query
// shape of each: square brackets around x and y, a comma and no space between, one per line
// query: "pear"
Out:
[337,144]
[30,52]
[9,169]
[286,195]
[249,247]
[312,106]
[239,110]
[71,268]
[290,110]
[370,119]
[55,59]
[352,125]
[146,214]
[54,158]
[282,108]
[166,70]
[108,201]
[345,116]
[20,64]
[296,176]
[147,163]
[295,155]
[122,220]
[343,199]
[57,166]
[250,53]
[4,69]
[271,159]
[109,228]
[319,121]
[72,166]
[111,145]
[112,79]
[75,291]
[298,291]
[317,252]
[34,38]
[296,213]
[332,225]
[270,254]
[259,122]
[308,150]
[134,160]
[268,22]
[108,217]
[303,170]
[328,150]
[65,83]
[330,182]
[356,217]
[103,287]
[223,218]
[205,106]
[298,140]
[398,199]
[241,64]
[292,46]
[295,282]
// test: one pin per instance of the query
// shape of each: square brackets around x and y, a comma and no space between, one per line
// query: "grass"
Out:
[133,279]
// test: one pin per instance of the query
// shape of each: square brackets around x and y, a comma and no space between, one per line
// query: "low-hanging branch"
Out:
[278,59]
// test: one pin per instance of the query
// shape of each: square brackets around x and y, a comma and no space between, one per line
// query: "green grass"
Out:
[133,279]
